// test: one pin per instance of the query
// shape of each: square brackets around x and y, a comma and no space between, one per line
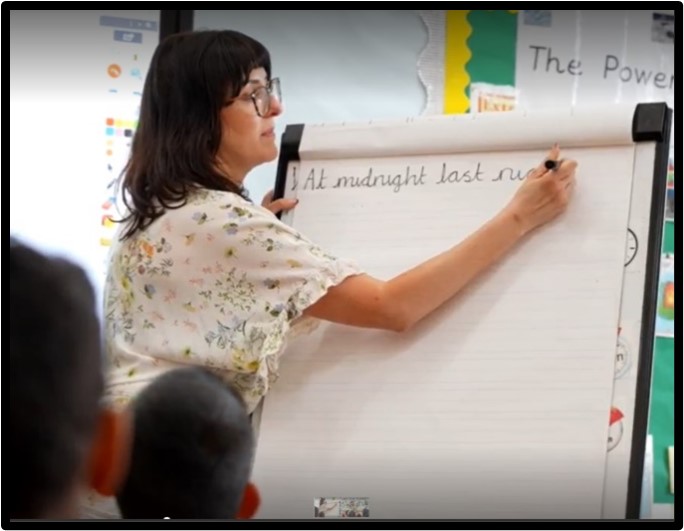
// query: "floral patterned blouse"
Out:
[216,282]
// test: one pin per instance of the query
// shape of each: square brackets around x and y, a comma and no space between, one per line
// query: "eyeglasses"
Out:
[263,96]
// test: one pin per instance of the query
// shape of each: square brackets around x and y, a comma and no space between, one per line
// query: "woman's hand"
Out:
[544,194]
[279,205]
[399,303]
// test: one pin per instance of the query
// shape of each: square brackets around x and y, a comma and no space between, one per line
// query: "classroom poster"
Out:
[670,193]
[132,38]
[550,58]
[662,413]
[665,313]
[662,391]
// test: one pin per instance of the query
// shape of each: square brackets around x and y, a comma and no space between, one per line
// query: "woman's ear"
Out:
[111,452]
[250,503]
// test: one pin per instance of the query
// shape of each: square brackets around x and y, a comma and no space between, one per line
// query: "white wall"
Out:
[60,97]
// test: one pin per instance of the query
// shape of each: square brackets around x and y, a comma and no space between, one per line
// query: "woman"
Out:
[200,275]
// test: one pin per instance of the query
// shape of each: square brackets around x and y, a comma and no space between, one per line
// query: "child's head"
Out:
[56,427]
[192,450]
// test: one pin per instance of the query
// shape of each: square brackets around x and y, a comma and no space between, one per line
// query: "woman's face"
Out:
[248,139]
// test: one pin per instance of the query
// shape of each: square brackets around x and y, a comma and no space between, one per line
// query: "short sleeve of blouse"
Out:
[268,266]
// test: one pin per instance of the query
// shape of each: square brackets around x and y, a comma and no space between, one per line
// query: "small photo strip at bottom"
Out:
[341,507]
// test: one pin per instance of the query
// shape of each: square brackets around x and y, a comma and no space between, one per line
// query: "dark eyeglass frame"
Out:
[264,93]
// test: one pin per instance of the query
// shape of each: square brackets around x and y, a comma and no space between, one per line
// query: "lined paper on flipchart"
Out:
[497,405]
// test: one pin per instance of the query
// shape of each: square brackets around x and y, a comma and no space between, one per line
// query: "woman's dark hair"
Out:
[174,148]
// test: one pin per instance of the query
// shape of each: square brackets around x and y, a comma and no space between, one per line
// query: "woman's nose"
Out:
[276,106]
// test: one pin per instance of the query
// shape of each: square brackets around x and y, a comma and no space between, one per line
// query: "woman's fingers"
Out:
[268,199]
[282,205]
[541,169]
